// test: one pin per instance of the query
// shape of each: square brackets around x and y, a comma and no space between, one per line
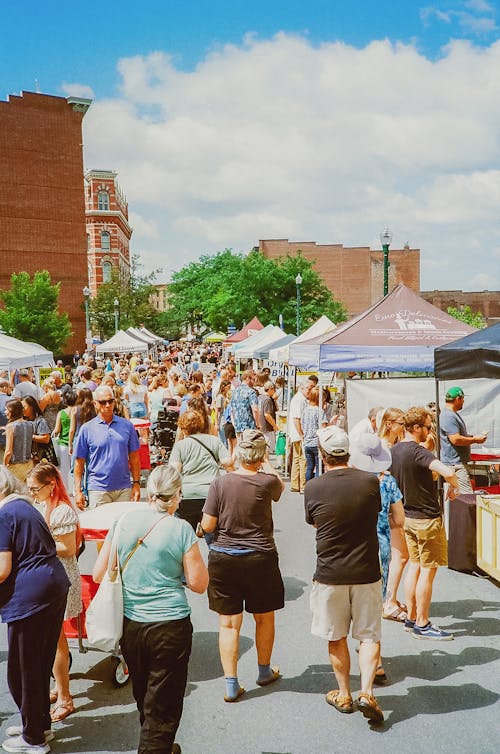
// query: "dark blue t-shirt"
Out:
[38,578]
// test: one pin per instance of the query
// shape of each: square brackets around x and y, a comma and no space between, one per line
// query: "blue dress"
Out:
[389,494]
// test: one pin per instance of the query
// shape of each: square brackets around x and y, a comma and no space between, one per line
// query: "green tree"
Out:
[133,296]
[230,287]
[465,314]
[30,311]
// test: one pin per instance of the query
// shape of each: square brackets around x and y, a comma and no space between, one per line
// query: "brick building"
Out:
[159,297]
[108,230]
[486,302]
[355,275]
[42,211]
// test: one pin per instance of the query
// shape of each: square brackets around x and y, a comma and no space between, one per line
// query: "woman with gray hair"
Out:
[243,561]
[155,549]
[33,590]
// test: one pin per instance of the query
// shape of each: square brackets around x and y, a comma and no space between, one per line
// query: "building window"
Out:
[103,200]
[106,272]
[105,241]
[88,241]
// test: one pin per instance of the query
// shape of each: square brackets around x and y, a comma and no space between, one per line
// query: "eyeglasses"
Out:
[36,490]
[107,402]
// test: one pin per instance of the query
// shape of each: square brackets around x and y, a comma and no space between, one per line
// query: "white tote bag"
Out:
[104,617]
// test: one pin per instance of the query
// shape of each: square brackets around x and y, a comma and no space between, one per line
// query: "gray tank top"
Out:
[21,447]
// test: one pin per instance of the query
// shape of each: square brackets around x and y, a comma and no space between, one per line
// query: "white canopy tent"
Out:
[140,335]
[247,348]
[122,342]
[150,334]
[320,327]
[15,354]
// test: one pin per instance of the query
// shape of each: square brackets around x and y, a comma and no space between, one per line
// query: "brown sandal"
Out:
[61,711]
[53,696]
[368,706]
[341,703]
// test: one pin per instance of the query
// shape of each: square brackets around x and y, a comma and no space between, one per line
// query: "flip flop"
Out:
[342,704]
[272,678]
[61,711]
[232,699]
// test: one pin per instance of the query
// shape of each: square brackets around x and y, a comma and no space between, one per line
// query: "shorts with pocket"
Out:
[253,581]
[335,607]
[426,541]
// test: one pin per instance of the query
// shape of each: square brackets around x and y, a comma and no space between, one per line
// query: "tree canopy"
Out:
[465,314]
[134,305]
[30,311]
[232,288]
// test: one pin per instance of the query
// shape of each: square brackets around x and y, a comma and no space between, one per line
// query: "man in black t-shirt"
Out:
[343,505]
[412,466]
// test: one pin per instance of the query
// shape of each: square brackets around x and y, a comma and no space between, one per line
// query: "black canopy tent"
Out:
[476,355]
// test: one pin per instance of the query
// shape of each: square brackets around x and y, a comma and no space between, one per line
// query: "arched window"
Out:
[103,200]
[105,241]
[106,272]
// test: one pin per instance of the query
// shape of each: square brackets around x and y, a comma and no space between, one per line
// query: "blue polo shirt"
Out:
[106,447]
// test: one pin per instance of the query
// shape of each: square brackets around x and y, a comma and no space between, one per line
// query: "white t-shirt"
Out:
[297,404]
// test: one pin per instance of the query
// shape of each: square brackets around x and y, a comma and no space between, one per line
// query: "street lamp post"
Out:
[117,311]
[88,334]
[385,239]
[298,283]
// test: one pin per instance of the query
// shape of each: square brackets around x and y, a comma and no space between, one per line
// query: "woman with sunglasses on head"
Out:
[155,550]
[47,489]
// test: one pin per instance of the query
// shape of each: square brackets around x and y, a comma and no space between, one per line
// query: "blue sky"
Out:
[233,121]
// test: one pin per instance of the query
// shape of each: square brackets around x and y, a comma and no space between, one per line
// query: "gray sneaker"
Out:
[17,730]
[18,745]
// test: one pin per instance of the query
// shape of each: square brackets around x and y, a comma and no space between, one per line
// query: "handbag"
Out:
[104,616]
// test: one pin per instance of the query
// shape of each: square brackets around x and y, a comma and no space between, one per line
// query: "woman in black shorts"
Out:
[243,561]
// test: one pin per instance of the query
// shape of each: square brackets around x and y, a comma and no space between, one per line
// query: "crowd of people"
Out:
[72,443]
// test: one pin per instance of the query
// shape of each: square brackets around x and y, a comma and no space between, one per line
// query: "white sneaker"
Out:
[19,745]
[17,730]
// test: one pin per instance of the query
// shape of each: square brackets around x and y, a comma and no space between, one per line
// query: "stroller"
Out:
[163,434]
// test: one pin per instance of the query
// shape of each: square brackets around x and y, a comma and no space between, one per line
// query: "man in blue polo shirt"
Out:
[109,446]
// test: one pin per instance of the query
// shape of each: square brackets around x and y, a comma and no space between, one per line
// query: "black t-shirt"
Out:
[242,505]
[344,504]
[410,467]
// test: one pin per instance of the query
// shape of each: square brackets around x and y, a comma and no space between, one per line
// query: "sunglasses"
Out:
[107,402]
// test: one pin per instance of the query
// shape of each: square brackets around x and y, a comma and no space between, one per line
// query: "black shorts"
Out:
[229,432]
[253,580]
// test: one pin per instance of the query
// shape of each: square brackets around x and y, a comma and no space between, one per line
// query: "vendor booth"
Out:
[16,354]
[249,329]
[475,519]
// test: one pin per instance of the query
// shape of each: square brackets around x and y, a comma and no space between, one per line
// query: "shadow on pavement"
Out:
[471,614]
[433,700]
[106,732]
[436,664]
[294,588]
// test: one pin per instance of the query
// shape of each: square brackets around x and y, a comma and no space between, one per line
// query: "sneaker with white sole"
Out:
[409,625]
[431,632]
[17,745]
[17,730]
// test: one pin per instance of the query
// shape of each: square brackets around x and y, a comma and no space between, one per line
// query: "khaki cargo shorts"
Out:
[426,540]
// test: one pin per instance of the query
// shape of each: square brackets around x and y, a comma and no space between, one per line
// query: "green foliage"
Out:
[31,312]
[134,302]
[228,287]
[465,314]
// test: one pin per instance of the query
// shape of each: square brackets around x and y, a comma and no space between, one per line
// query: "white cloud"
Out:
[478,18]
[277,138]
[77,90]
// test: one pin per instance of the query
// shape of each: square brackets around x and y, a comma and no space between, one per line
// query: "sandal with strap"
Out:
[380,678]
[343,704]
[397,614]
[61,711]
[368,706]
[232,699]
[275,674]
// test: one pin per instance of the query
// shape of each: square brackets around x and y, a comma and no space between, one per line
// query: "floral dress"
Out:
[64,520]
[389,494]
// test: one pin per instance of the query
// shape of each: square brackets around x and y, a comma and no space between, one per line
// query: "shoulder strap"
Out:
[140,541]
[192,437]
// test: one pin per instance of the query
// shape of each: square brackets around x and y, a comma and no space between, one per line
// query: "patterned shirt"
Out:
[242,400]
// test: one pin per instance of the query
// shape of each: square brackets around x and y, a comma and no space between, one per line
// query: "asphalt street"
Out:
[442,696]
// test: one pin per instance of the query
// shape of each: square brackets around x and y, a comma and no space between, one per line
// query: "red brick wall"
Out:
[486,302]
[355,276]
[42,211]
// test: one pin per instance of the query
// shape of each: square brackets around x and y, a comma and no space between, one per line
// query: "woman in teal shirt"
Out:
[157,630]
